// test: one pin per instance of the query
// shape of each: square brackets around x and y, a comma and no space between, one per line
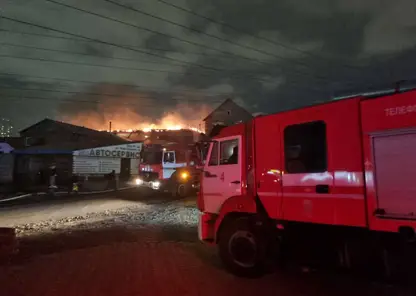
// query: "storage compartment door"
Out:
[395,169]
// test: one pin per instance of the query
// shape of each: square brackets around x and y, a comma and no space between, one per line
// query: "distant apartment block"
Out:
[6,128]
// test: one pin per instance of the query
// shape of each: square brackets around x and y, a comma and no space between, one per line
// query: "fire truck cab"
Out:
[337,179]
[167,168]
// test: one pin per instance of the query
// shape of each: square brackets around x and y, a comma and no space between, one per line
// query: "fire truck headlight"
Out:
[156,185]
[138,181]
[184,175]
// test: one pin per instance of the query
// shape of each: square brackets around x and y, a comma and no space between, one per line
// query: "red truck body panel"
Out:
[152,168]
[293,197]
[389,147]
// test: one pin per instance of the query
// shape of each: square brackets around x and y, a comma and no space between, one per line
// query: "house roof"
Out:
[43,150]
[222,104]
[15,142]
[62,124]
[109,138]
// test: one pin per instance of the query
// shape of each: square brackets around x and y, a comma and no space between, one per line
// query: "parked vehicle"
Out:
[170,167]
[337,180]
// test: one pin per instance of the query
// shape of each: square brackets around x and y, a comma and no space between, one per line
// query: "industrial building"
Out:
[52,143]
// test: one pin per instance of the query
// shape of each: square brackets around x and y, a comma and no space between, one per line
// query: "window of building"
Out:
[229,152]
[305,148]
[213,160]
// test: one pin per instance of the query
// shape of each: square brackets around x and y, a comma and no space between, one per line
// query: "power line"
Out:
[249,74]
[95,56]
[191,91]
[280,44]
[200,32]
[206,93]
[91,41]
[81,53]
[89,64]
[128,48]
[138,69]
[174,37]
[116,45]
[25,97]
[105,94]
[125,47]
[111,67]
[122,67]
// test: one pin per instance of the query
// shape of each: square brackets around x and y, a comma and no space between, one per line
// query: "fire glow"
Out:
[128,121]
[171,122]
[156,128]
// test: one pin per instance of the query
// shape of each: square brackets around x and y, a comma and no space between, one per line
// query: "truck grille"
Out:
[149,176]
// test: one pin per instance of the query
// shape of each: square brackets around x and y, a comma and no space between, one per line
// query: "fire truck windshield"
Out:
[152,157]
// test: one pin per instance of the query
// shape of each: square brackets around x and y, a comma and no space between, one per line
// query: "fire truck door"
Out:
[307,181]
[168,164]
[222,173]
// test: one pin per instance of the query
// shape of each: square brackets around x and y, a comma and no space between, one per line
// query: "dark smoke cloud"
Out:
[352,45]
[338,28]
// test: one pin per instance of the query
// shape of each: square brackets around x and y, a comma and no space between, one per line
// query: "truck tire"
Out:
[242,248]
[179,189]
[182,190]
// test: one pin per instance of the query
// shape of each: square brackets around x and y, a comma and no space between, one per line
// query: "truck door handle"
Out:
[323,189]
[235,182]
[209,175]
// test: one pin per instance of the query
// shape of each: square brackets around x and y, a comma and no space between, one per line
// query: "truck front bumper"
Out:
[156,184]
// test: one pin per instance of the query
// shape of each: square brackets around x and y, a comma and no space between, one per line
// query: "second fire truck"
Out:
[172,167]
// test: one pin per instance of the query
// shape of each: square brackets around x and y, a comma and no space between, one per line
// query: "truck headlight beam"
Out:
[138,181]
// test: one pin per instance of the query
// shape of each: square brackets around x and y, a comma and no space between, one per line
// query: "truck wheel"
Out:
[242,248]
[182,190]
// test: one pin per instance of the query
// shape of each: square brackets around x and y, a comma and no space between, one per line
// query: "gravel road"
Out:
[130,207]
[140,244]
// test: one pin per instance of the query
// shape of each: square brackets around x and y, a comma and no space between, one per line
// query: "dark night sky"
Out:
[285,54]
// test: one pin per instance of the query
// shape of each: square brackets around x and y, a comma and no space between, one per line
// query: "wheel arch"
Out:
[237,206]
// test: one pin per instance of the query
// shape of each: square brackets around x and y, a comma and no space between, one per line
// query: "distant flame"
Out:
[169,122]
[121,118]
[157,128]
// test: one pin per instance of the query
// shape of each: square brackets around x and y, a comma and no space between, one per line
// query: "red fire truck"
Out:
[336,179]
[170,167]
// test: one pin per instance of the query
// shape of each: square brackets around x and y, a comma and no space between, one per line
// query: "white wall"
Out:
[86,165]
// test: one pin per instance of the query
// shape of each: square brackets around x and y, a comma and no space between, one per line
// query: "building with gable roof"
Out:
[228,113]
